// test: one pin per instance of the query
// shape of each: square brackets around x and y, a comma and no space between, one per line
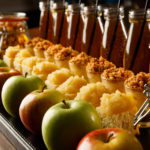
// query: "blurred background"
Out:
[31,7]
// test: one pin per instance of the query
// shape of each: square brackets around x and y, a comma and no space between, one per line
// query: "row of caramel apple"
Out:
[62,67]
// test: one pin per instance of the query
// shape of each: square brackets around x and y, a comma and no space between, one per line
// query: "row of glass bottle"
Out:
[82,28]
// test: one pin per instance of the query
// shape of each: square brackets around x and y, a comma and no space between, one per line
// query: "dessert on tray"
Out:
[20,56]
[114,78]
[57,77]
[40,47]
[95,68]
[51,51]
[92,93]
[62,57]
[29,63]
[135,86]
[78,64]
[10,54]
[117,110]
[71,86]
[44,68]
[31,44]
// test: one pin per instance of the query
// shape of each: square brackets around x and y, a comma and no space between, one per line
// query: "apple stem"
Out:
[44,88]
[26,74]
[108,138]
[66,105]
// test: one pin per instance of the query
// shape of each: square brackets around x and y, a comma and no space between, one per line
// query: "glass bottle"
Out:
[136,57]
[70,25]
[98,34]
[44,8]
[86,28]
[56,15]
[13,30]
[114,36]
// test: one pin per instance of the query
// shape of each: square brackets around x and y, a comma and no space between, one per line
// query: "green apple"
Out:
[109,139]
[15,89]
[65,123]
[5,74]
[34,106]
[2,63]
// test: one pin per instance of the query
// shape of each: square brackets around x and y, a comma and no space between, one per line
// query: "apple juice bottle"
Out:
[98,34]
[44,8]
[138,58]
[86,28]
[70,25]
[114,36]
[56,15]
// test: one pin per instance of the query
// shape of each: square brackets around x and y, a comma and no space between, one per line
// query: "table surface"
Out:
[5,144]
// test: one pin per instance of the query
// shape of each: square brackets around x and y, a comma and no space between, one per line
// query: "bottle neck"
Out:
[113,13]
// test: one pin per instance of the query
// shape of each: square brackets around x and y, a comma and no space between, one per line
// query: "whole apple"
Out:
[65,123]
[109,139]
[34,106]
[5,74]
[15,89]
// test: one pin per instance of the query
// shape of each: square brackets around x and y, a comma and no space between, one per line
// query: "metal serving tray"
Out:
[16,133]
[24,140]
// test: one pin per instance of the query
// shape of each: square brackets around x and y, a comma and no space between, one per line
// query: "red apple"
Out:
[34,106]
[109,139]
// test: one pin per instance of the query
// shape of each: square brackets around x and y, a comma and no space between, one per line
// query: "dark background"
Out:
[31,7]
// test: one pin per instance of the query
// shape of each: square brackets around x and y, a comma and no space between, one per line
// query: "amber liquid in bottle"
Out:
[97,38]
[116,52]
[55,24]
[70,24]
[138,60]
[85,30]
[43,19]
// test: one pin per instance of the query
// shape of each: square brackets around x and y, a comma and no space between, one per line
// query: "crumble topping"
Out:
[51,51]
[99,65]
[66,53]
[33,42]
[43,45]
[117,74]
[81,59]
[138,81]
